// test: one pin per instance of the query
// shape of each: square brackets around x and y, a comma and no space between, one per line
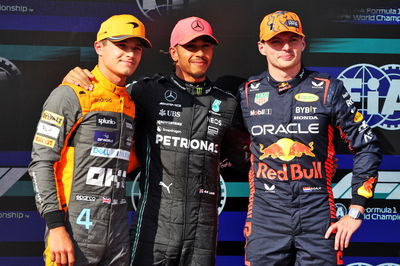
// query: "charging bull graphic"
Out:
[286,150]
[367,187]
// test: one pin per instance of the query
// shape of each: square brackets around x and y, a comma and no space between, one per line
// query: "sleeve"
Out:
[60,113]
[361,141]
[235,145]
[138,97]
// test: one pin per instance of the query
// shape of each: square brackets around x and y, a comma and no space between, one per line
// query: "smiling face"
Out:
[283,53]
[193,59]
[118,60]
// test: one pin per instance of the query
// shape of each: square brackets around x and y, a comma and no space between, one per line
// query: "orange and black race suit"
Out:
[82,152]
[292,130]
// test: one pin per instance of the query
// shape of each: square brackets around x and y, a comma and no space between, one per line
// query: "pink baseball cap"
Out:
[190,28]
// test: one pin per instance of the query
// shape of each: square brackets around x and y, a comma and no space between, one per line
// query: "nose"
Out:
[199,51]
[130,52]
[286,46]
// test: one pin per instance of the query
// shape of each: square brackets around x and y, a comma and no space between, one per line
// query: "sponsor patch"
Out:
[261,98]
[311,189]
[105,137]
[106,121]
[306,97]
[205,191]
[269,188]
[102,100]
[110,153]
[81,197]
[358,117]
[216,105]
[52,118]
[129,125]
[292,23]
[48,130]
[212,130]
[317,85]
[44,141]
[260,112]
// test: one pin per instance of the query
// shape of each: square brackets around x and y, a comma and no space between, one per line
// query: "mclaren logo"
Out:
[197,25]
[170,96]
[134,24]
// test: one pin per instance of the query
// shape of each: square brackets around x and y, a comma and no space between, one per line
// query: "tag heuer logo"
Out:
[261,98]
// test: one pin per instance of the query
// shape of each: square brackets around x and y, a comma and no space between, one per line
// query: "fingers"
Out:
[86,77]
[63,258]
[329,231]
[80,77]
[52,256]
[71,257]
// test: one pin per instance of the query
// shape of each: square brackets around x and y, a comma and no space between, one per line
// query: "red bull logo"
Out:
[284,86]
[286,150]
[367,188]
[289,171]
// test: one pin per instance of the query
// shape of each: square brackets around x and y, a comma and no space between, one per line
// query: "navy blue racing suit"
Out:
[291,203]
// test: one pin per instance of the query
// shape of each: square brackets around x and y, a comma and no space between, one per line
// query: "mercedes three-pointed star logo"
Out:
[197,25]
[170,96]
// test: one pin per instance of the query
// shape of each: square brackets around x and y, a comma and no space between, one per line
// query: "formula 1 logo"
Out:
[136,193]
[377,89]
[153,9]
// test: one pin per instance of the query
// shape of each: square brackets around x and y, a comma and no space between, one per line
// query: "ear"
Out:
[304,44]
[261,46]
[98,46]
[173,53]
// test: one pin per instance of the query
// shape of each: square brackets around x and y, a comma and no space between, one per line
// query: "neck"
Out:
[116,79]
[283,74]
[188,78]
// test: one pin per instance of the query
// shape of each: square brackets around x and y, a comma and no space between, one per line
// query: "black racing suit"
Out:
[82,149]
[291,202]
[179,130]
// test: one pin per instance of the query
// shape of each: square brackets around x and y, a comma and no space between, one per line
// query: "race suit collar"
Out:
[106,84]
[194,88]
[285,85]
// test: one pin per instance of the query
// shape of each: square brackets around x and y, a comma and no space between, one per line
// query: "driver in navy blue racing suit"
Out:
[291,113]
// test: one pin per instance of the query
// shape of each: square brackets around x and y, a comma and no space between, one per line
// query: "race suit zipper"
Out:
[187,169]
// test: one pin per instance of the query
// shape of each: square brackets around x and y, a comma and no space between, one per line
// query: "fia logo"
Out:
[377,89]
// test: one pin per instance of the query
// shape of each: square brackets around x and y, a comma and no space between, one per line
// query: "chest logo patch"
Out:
[215,106]
[261,98]
[170,96]
[306,97]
